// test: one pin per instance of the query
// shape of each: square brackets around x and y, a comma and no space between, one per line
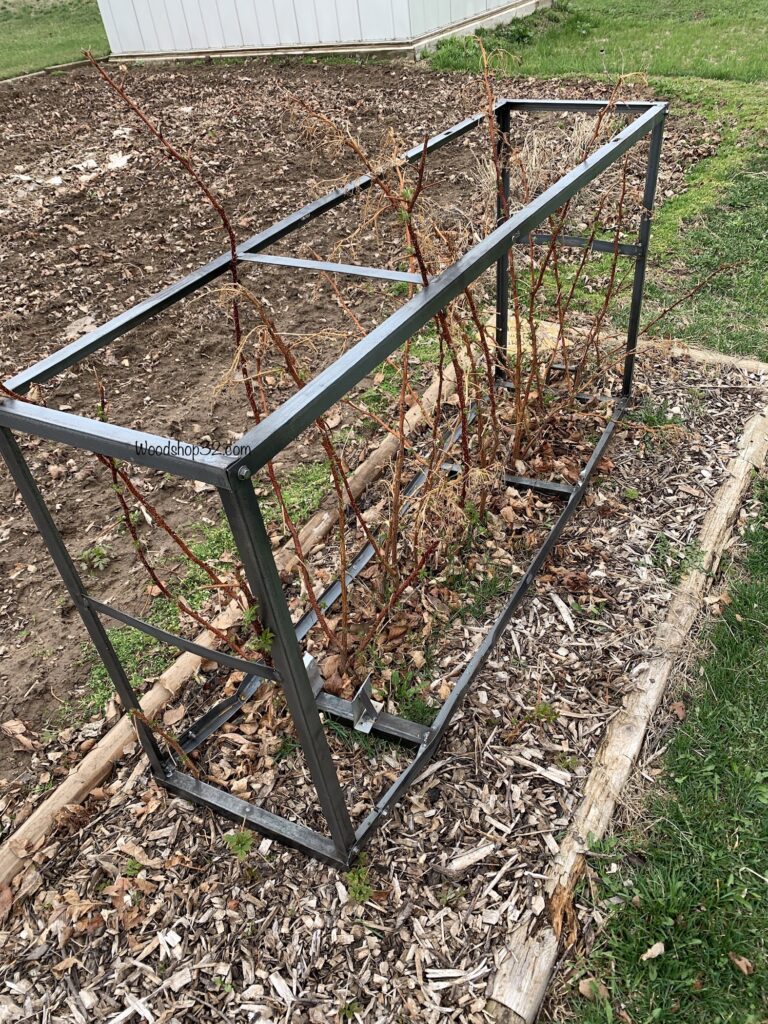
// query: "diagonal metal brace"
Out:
[220,713]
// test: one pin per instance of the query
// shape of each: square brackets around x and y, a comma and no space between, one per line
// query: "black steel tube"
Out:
[252,540]
[598,244]
[291,833]
[188,460]
[638,283]
[334,268]
[253,668]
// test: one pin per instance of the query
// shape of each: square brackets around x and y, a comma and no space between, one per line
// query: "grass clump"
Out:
[141,656]
[304,488]
[717,39]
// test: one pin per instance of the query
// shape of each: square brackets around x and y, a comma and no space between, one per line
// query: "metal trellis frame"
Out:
[294,671]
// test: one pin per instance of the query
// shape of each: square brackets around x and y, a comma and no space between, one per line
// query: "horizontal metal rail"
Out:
[290,833]
[188,460]
[219,715]
[536,106]
[598,244]
[254,668]
[283,425]
[388,727]
[525,483]
[335,268]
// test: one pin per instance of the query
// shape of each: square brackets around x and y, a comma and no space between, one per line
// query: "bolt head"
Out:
[244,473]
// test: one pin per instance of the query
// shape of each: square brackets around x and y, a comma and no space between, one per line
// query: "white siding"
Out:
[167,26]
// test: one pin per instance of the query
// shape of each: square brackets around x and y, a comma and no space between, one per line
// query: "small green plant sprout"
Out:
[348,1010]
[132,868]
[358,883]
[409,697]
[288,746]
[240,843]
[631,494]
[223,984]
[95,558]
[544,713]
[263,642]
[674,563]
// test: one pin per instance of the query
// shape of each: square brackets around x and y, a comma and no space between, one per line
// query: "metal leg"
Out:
[39,511]
[502,267]
[638,284]
[251,537]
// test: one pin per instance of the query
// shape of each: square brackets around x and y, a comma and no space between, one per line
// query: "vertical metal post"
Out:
[638,284]
[502,267]
[35,502]
[252,540]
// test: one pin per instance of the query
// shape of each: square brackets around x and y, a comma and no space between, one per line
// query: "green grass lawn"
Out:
[719,39]
[44,32]
[694,875]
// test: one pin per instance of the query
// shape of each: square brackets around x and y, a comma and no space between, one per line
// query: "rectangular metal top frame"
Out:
[263,442]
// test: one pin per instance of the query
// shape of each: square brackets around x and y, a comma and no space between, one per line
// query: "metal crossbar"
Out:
[334,268]
[294,672]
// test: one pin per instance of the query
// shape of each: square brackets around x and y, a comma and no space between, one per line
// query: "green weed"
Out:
[240,843]
[358,883]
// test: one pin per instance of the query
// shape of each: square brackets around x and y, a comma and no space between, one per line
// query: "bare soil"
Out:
[94,219]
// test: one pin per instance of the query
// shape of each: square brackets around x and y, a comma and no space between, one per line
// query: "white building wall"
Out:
[136,27]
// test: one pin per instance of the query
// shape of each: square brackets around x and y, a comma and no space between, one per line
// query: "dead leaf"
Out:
[655,950]
[593,989]
[13,727]
[395,632]
[6,902]
[742,964]
[174,715]
[64,965]
[678,708]
[17,731]
[330,666]
[79,327]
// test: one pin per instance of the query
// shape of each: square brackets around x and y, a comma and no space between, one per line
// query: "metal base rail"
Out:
[292,670]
